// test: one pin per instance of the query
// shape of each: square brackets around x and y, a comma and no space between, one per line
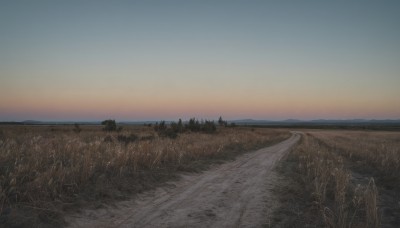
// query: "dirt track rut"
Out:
[234,194]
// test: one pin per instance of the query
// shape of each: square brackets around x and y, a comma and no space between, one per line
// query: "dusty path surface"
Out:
[234,194]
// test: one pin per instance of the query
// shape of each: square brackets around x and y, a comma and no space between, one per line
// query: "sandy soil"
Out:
[234,194]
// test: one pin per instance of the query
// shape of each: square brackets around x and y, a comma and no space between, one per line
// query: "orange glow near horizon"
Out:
[172,106]
[150,61]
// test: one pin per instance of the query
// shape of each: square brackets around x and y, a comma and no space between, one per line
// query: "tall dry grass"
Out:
[339,202]
[374,154]
[380,150]
[49,164]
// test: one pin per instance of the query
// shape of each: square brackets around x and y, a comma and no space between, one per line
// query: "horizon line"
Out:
[184,119]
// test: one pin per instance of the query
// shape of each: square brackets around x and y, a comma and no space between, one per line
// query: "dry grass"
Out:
[371,154]
[340,173]
[339,203]
[43,166]
[381,150]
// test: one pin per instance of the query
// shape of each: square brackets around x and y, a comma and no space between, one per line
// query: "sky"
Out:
[153,60]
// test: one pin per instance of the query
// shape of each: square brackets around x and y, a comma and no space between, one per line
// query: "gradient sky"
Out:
[151,60]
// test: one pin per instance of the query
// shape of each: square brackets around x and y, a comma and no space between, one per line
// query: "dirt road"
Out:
[234,194]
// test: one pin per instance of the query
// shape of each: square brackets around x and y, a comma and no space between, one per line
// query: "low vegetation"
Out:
[341,179]
[45,170]
[193,125]
[109,125]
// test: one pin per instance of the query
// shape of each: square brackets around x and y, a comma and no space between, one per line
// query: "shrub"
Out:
[160,126]
[222,122]
[109,125]
[177,127]
[164,131]
[208,127]
[193,125]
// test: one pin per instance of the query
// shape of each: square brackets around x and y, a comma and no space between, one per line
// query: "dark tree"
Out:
[222,122]
[193,125]
[180,125]
[109,125]
[209,127]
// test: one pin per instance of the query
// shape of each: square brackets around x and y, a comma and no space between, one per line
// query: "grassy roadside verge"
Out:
[323,185]
[46,173]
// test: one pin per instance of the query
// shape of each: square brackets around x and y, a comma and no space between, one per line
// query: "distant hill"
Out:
[316,122]
[36,122]
[31,122]
[287,122]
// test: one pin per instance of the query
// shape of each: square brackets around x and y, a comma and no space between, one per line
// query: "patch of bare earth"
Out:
[234,194]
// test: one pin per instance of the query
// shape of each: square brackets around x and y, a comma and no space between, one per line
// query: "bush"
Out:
[160,126]
[222,122]
[164,131]
[109,125]
[208,127]
[193,125]
[177,127]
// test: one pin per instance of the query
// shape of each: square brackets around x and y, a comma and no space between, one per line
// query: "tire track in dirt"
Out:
[234,194]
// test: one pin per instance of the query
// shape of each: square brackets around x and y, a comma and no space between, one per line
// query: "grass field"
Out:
[333,178]
[47,170]
[338,178]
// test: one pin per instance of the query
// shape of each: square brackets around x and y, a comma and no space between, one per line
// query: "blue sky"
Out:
[137,60]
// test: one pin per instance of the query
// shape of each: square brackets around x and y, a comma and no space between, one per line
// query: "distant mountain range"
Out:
[316,122]
[239,122]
